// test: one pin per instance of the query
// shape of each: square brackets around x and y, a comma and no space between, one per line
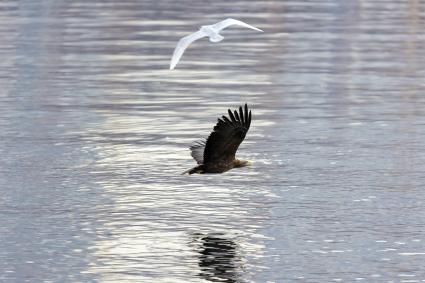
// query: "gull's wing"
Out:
[182,45]
[229,22]
[227,135]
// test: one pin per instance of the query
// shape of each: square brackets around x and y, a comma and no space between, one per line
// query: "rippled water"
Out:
[94,133]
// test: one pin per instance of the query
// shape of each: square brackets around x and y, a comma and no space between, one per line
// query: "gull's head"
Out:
[211,33]
[207,29]
[216,38]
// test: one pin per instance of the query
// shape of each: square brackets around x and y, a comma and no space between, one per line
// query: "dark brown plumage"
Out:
[217,153]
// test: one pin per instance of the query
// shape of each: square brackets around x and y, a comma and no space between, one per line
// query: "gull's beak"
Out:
[249,163]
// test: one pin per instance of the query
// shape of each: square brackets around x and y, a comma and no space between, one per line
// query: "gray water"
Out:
[94,132]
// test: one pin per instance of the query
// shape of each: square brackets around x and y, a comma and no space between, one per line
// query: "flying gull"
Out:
[211,31]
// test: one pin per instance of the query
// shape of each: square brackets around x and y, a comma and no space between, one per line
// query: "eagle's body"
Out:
[218,167]
[217,153]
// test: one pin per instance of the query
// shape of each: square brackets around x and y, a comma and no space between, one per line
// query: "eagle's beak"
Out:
[249,163]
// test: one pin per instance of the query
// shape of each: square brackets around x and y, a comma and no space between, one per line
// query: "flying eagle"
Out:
[217,153]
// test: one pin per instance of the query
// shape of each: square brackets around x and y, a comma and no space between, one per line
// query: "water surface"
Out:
[94,131]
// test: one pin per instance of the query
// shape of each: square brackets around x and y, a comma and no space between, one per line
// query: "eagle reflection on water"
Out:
[218,260]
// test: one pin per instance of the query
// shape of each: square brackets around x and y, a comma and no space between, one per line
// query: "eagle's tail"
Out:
[198,169]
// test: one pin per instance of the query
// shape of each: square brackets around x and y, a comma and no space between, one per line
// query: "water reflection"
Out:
[218,258]
[94,133]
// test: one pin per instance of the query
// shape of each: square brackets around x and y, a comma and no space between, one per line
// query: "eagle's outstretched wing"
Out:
[197,151]
[227,136]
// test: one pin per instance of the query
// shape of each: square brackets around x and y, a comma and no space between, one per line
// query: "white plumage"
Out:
[211,31]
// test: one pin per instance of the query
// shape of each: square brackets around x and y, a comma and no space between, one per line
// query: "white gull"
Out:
[211,31]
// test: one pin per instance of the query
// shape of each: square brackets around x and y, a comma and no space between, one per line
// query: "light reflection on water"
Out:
[95,130]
